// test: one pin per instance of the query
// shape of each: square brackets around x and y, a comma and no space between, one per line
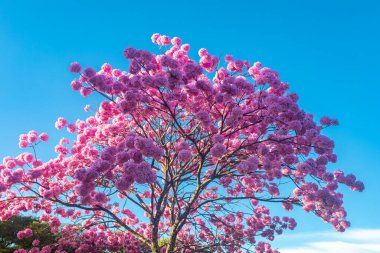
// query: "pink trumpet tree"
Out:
[182,155]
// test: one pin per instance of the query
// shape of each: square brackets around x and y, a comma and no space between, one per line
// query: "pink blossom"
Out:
[126,106]
[228,58]
[101,197]
[176,41]
[23,137]
[32,136]
[106,67]
[218,150]
[124,183]
[28,158]
[3,187]
[36,163]
[130,53]
[71,128]
[34,173]
[326,121]
[23,144]
[116,72]
[85,91]
[184,155]
[192,71]
[182,145]
[87,108]
[155,37]
[218,138]
[89,73]
[202,52]
[24,233]
[10,164]
[60,123]
[76,85]
[122,157]
[44,137]
[164,40]
[75,67]
[20,251]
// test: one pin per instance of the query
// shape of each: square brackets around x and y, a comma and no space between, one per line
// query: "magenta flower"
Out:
[75,67]
[25,233]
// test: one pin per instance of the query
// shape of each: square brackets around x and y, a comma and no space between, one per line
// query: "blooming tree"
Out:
[181,156]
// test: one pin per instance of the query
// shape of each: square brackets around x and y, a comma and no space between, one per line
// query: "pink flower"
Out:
[28,158]
[32,136]
[44,137]
[76,85]
[87,108]
[60,123]
[75,67]
[185,47]
[358,186]
[160,81]
[126,106]
[202,52]
[176,41]
[218,150]
[123,183]
[89,73]
[36,163]
[228,58]
[10,164]
[116,72]
[184,155]
[106,67]
[3,187]
[203,86]
[46,249]
[23,144]
[26,233]
[165,40]
[204,117]
[248,166]
[155,37]
[192,70]
[182,145]
[326,121]
[34,173]
[81,174]
[130,53]
[23,137]
[122,157]
[85,91]
[20,251]
[101,197]
[71,128]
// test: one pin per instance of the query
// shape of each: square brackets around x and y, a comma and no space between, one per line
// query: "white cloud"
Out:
[352,241]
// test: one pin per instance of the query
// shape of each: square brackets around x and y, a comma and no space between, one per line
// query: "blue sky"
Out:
[327,50]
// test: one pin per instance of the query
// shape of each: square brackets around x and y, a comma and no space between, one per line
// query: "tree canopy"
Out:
[182,155]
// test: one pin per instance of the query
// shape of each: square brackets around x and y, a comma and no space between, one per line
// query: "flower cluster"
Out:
[24,233]
[31,138]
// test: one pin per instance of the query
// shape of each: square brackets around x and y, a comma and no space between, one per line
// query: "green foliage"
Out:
[163,242]
[9,229]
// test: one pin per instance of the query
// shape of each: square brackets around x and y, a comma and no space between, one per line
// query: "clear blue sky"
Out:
[327,50]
